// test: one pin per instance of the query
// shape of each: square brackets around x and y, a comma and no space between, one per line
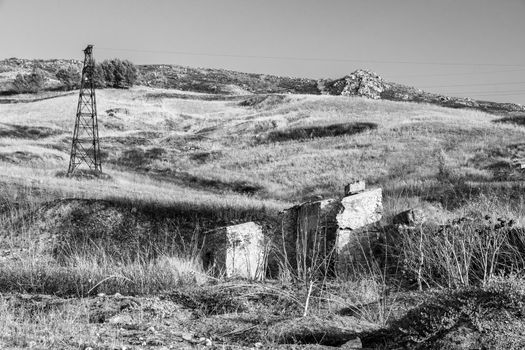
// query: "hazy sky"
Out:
[470,48]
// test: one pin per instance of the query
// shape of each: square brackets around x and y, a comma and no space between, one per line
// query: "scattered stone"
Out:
[352,344]
[189,337]
[236,251]
[205,341]
[121,319]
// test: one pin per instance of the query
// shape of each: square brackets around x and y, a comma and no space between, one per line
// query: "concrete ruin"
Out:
[330,234]
[236,251]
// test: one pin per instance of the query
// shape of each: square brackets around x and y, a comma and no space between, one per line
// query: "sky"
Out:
[469,48]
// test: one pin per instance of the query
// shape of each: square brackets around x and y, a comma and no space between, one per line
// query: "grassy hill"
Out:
[184,163]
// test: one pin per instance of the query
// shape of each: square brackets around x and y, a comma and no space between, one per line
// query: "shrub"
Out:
[70,77]
[29,83]
[462,253]
[117,73]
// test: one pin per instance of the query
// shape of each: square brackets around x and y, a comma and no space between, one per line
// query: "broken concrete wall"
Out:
[236,251]
[309,231]
[324,234]
[354,240]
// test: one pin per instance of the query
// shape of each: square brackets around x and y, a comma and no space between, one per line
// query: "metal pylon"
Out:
[85,148]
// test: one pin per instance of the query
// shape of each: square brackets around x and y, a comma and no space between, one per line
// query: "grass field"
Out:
[214,161]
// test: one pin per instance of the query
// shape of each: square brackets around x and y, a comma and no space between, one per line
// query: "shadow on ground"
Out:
[306,133]
[26,132]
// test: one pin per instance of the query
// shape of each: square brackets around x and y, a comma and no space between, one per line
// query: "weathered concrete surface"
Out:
[360,209]
[353,240]
[309,233]
[237,251]
[317,233]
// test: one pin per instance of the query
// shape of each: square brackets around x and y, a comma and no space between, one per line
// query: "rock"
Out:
[352,344]
[354,187]
[360,209]
[359,83]
[411,217]
[189,337]
[237,251]
[121,319]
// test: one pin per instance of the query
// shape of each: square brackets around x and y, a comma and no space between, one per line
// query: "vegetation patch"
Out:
[306,133]
[264,101]
[488,317]
[27,132]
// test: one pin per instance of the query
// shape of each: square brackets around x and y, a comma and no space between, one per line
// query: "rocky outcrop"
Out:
[359,83]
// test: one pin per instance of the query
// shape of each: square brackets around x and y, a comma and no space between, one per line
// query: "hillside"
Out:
[220,81]
[114,262]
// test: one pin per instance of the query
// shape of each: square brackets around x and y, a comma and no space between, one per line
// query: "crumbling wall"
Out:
[327,235]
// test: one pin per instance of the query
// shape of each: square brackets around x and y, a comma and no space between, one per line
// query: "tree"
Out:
[117,73]
[30,83]
[70,77]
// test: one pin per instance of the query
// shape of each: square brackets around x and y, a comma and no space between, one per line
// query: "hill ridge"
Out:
[361,82]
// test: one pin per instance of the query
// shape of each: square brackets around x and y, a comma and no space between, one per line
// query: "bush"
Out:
[70,77]
[29,83]
[117,74]
[488,317]
[462,253]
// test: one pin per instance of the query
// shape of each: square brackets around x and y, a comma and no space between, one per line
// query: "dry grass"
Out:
[63,328]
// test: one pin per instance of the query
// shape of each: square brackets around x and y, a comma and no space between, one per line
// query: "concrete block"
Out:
[236,251]
[360,209]
[331,226]
[309,232]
